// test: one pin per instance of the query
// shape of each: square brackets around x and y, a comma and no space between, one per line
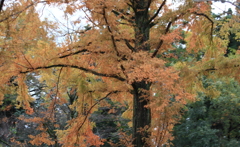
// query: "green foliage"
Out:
[211,121]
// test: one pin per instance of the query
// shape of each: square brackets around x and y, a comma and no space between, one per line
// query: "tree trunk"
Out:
[141,114]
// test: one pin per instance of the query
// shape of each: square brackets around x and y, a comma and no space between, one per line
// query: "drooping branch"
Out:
[156,14]
[76,67]
[212,23]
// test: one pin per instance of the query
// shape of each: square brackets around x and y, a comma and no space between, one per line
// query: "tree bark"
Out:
[141,114]
[1,5]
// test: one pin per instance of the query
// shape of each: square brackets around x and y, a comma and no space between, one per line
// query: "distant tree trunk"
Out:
[141,114]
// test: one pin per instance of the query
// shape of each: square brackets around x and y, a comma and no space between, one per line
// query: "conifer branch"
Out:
[156,14]
[76,67]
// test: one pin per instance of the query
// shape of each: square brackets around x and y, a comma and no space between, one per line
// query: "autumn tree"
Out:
[117,57]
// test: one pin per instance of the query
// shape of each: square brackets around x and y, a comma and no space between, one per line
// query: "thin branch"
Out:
[111,33]
[57,89]
[166,31]
[27,60]
[19,12]
[156,14]
[89,111]
[236,5]
[77,67]
[80,51]
[129,45]
[74,53]
[4,142]
[212,23]
[123,17]
[20,65]
[161,41]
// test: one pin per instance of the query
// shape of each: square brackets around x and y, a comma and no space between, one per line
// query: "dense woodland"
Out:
[138,73]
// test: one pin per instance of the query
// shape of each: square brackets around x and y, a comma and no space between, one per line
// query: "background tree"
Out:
[211,121]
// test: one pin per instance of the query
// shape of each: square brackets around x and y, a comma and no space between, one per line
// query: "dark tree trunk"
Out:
[141,114]
[1,5]
[142,28]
